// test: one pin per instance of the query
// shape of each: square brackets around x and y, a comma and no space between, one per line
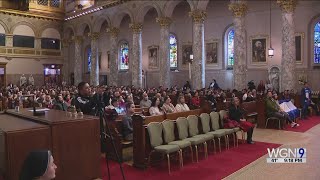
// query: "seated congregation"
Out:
[177,121]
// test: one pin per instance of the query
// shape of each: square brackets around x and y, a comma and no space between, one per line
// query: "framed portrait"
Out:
[258,47]
[153,57]
[212,52]
[299,37]
[109,59]
[186,52]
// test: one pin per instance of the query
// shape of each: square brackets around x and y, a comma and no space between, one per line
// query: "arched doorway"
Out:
[52,74]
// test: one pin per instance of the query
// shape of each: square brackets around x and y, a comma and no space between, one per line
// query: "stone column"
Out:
[78,64]
[164,51]
[198,64]
[113,77]
[65,68]
[37,43]
[94,73]
[288,44]
[9,40]
[239,9]
[136,60]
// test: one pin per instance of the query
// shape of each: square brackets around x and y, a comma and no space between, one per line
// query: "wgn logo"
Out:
[287,155]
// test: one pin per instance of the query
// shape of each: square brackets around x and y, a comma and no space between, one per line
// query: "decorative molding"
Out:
[239,9]
[164,21]
[94,35]
[77,39]
[287,6]
[113,31]
[136,27]
[65,42]
[53,17]
[198,16]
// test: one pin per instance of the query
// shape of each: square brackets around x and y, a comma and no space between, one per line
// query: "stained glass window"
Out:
[230,48]
[124,56]
[173,51]
[89,58]
[317,43]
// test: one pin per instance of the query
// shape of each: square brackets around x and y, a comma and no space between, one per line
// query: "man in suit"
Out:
[60,104]
[306,101]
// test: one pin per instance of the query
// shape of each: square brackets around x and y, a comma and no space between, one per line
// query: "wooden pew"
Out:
[140,152]
[251,110]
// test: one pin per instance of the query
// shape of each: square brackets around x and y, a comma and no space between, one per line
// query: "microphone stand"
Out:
[107,134]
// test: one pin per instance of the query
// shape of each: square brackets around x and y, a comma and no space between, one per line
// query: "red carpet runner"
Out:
[217,166]
[305,124]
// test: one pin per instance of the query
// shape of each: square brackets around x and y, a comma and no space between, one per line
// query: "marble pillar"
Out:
[239,9]
[94,72]
[9,40]
[113,61]
[288,44]
[37,43]
[65,68]
[198,64]
[164,51]
[78,59]
[136,61]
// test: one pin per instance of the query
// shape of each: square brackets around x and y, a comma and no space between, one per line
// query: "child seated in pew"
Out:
[127,128]
[155,108]
[181,105]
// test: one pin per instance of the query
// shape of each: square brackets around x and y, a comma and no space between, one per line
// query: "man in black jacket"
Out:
[83,100]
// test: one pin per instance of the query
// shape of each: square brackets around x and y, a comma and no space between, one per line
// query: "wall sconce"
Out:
[191,56]
[270,52]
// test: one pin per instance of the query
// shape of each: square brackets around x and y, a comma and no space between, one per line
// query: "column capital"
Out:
[164,21]
[77,39]
[287,6]
[239,9]
[94,35]
[136,27]
[65,42]
[113,31]
[198,15]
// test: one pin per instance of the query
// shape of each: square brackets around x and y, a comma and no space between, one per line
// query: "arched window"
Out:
[124,56]
[316,46]
[88,58]
[230,47]
[173,51]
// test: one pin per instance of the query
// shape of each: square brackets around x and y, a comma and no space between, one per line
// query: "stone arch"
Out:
[170,6]
[5,27]
[35,32]
[68,32]
[202,5]
[117,18]
[99,21]
[50,26]
[143,10]
[81,28]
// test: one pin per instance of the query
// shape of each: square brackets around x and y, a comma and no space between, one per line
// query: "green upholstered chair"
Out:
[169,137]
[156,141]
[183,126]
[232,131]
[217,132]
[205,122]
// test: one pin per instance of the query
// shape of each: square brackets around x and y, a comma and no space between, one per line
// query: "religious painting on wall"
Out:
[212,52]
[299,46]
[186,52]
[259,49]
[153,57]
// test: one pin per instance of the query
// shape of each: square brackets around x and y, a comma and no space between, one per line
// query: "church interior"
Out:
[175,89]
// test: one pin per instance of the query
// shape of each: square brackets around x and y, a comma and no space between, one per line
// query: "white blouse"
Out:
[182,107]
[155,111]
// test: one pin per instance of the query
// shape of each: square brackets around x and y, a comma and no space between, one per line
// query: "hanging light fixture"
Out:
[270,50]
